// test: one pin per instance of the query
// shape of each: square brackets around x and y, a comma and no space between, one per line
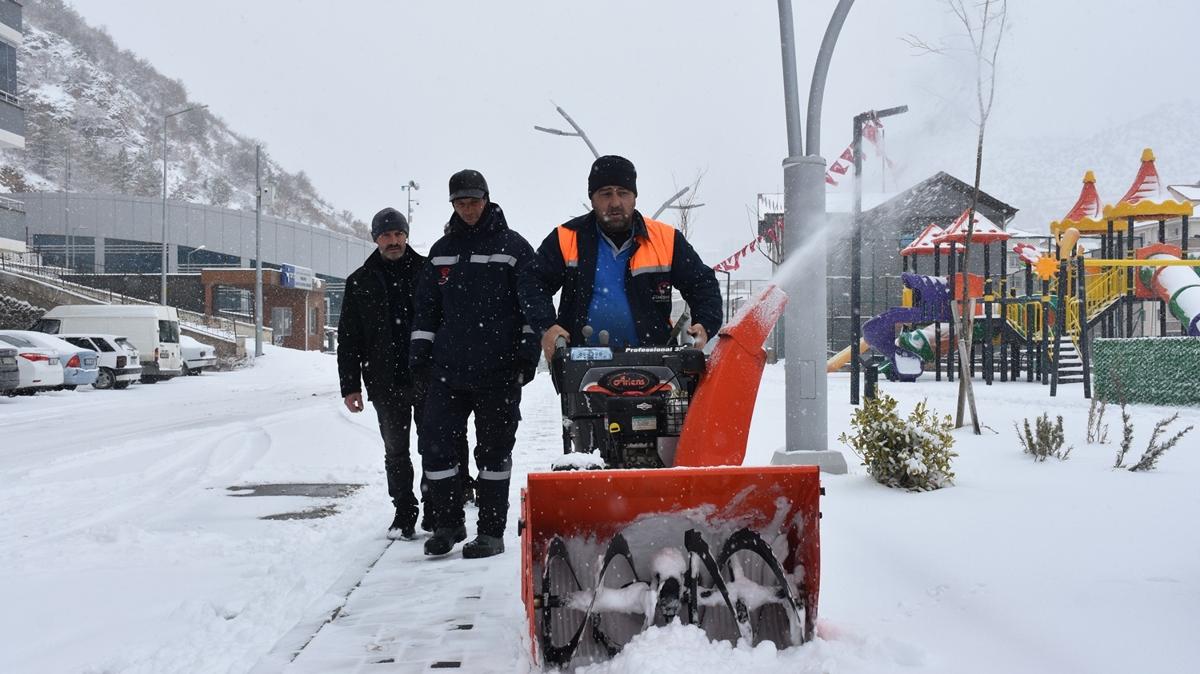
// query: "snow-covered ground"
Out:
[121,549]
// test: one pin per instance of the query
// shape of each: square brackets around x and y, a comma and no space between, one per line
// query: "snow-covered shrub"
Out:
[912,453]
[1154,449]
[1126,435]
[1046,441]
[17,314]
[1097,431]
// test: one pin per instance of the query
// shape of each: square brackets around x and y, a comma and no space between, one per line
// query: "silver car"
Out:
[10,373]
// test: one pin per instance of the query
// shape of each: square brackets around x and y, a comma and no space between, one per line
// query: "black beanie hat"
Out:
[387,220]
[468,184]
[612,170]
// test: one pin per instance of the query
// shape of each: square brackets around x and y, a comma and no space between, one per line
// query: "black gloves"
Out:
[526,373]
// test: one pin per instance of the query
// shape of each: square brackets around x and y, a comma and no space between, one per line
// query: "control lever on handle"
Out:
[559,362]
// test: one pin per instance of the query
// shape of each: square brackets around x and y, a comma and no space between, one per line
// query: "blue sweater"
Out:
[609,309]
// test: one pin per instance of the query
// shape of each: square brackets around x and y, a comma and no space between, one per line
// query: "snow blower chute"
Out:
[655,519]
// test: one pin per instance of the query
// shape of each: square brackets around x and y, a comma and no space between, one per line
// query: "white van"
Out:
[153,329]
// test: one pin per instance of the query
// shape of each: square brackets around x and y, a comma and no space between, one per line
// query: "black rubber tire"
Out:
[120,385]
[104,379]
[149,379]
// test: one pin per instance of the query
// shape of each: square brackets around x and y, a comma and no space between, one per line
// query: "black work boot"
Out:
[483,546]
[443,503]
[442,541]
[491,496]
[401,528]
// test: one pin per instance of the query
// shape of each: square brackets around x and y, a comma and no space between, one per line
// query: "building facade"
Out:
[12,115]
[122,234]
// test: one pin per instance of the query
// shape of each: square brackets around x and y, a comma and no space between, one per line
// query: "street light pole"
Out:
[412,185]
[856,246]
[578,131]
[166,118]
[804,320]
[67,205]
[667,204]
[258,289]
[192,252]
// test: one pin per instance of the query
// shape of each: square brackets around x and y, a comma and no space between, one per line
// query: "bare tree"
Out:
[984,23]
[686,204]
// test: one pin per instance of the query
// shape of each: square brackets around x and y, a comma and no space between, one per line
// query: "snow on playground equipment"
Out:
[608,553]
[907,354]
[1147,199]
[1096,293]
[1077,296]
[1169,280]
[927,303]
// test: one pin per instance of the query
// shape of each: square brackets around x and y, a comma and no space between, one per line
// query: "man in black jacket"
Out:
[472,341]
[617,270]
[373,340]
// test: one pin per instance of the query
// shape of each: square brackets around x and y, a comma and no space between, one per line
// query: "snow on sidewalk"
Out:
[121,549]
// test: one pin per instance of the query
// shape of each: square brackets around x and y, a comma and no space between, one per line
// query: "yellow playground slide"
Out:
[843,357]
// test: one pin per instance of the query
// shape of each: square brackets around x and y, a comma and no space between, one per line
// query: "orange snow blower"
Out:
[662,523]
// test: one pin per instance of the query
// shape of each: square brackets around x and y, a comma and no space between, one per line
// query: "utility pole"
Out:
[258,289]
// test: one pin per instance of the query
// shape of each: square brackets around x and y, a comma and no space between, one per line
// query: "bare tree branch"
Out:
[921,46]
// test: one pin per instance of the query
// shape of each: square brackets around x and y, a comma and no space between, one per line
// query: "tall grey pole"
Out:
[258,289]
[816,90]
[163,274]
[162,291]
[67,204]
[856,261]
[856,246]
[804,279]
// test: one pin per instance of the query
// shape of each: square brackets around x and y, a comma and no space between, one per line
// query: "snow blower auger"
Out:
[655,520]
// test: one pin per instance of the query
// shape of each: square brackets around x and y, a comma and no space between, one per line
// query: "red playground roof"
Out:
[1147,198]
[985,230]
[923,244]
[1087,213]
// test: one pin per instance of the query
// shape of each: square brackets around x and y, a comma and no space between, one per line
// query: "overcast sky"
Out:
[365,95]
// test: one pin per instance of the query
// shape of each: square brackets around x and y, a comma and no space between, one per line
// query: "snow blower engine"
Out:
[627,405]
[618,544]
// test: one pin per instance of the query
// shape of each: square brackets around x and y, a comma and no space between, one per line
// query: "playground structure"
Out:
[1068,297]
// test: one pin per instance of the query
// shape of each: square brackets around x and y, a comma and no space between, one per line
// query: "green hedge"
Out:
[1150,370]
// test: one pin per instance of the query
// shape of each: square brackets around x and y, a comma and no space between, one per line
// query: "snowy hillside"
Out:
[85,96]
[1042,176]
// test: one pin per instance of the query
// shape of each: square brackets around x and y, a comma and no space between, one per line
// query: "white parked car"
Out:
[80,366]
[39,366]
[196,355]
[120,365]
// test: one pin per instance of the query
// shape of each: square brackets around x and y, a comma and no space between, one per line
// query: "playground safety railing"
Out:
[1103,289]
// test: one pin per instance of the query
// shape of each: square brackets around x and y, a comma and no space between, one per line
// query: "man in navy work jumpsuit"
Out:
[471,340]
[617,270]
